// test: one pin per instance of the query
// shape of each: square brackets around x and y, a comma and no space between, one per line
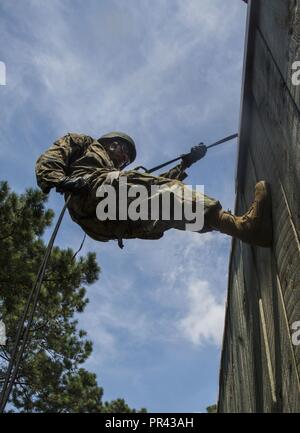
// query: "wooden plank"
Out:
[232,368]
[262,383]
[277,324]
[224,375]
[263,262]
[264,286]
[286,360]
[224,397]
[231,403]
[267,351]
[279,24]
[227,400]
[241,336]
[286,243]
[249,381]
[245,120]
[227,397]
[236,386]
[281,123]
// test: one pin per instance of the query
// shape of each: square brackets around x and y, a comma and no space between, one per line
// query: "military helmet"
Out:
[125,137]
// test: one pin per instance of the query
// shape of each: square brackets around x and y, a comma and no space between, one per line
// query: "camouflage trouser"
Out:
[82,208]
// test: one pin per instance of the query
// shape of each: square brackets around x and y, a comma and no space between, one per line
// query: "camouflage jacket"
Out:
[81,155]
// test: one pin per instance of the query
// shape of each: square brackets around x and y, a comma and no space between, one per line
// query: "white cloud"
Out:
[170,47]
[204,320]
[180,297]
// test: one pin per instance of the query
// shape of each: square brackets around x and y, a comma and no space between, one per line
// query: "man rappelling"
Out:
[78,165]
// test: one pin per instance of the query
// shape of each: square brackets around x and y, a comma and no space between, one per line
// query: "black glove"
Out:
[196,153]
[69,184]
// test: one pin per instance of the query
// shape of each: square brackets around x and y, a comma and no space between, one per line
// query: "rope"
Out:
[23,332]
[80,248]
[230,137]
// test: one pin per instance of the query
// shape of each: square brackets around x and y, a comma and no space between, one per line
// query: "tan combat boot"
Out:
[255,226]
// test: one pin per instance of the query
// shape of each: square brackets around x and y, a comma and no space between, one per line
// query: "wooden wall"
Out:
[260,365]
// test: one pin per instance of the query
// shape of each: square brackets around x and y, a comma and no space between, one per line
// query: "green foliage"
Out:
[50,377]
[212,408]
[119,406]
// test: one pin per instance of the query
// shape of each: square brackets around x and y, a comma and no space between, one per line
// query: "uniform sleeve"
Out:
[177,173]
[52,166]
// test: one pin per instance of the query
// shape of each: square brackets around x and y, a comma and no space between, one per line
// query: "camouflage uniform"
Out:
[79,155]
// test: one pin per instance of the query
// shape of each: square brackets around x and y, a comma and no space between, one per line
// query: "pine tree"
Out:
[50,378]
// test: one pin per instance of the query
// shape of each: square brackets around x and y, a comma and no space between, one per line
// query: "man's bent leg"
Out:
[255,226]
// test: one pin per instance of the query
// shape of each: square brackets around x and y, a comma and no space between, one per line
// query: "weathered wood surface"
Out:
[279,23]
[260,367]
[281,121]
[283,373]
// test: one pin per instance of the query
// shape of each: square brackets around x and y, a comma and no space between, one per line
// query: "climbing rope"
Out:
[28,313]
[223,140]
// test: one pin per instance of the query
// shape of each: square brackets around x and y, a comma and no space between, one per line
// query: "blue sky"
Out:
[167,72]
